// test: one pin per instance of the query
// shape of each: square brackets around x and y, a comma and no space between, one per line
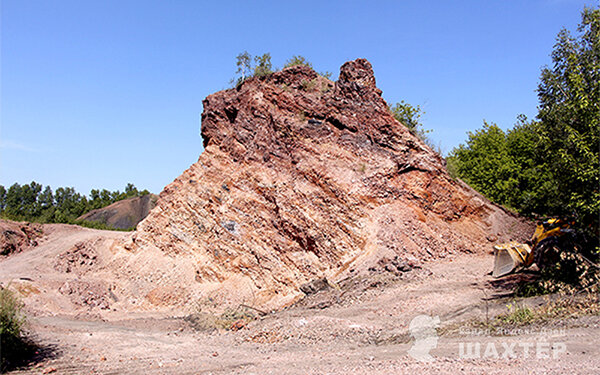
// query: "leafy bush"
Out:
[258,66]
[298,60]
[14,346]
[263,65]
[229,319]
[505,167]
[308,85]
[410,116]
[551,166]
[246,68]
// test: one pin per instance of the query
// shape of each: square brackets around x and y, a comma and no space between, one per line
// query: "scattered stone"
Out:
[88,294]
[314,286]
[232,227]
[238,324]
[79,259]
[395,265]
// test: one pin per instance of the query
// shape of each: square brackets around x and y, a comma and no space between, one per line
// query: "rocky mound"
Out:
[16,237]
[124,214]
[304,178]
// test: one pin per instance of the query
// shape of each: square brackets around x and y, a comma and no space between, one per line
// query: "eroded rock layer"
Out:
[303,178]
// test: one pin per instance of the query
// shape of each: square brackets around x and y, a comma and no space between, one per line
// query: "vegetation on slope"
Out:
[550,166]
[32,202]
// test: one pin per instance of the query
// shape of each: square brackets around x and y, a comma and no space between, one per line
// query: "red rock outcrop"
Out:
[303,178]
[16,237]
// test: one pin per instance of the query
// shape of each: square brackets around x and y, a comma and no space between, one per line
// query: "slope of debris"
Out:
[123,214]
[304,178]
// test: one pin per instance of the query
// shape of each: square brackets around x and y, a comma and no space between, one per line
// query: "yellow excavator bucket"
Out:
[511,256]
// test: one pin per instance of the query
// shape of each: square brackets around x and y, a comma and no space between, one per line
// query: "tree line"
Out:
[547,166]
[34,202]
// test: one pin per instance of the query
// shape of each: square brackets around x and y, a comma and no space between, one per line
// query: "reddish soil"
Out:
[16,237]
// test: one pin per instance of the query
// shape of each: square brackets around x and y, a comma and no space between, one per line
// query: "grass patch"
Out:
[308,85]
[231,319]
[518,315]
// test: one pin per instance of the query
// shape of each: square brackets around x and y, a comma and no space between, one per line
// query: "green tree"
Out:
[106,197]
[95,201]
[244,64]
[569,116]
[485,163]
[33,202]
[46,204]
[246,68]
[29,205]
[263,65]
[549,166]
[46,198]
[2,198]
[69,205]
[410,116]
[13,201]
[131,191]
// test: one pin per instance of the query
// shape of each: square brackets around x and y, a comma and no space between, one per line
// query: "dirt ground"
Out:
[358,326]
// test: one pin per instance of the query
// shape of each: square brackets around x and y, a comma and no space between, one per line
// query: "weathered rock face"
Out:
[303,178]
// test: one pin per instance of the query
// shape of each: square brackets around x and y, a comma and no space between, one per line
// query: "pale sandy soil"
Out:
[360,328]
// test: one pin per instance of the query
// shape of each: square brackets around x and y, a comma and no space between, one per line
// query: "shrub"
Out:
[298,60]
[14,346]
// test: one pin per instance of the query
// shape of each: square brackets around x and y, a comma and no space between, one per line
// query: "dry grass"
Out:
[229,319]
[519,314]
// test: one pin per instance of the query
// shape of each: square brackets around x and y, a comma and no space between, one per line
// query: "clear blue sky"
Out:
[95,94]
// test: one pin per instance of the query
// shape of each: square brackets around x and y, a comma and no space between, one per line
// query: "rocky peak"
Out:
[359,71]
[304,178]
[262,118]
